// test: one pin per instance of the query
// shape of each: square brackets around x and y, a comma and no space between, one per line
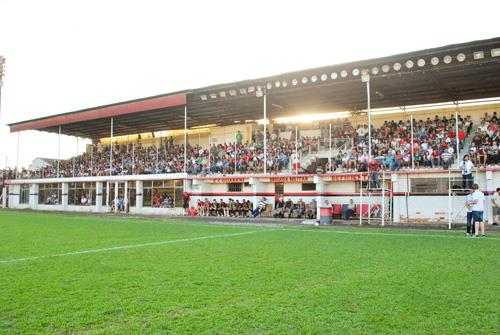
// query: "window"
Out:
[24,194]
[50,194]
[309,187]
[235,187]
[438,185]
[279,188]
[79,191]
[131,193]
[163,193]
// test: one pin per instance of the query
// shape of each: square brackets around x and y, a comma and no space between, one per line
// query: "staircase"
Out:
[467,145]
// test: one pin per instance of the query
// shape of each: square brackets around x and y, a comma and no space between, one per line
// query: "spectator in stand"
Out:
[373,168]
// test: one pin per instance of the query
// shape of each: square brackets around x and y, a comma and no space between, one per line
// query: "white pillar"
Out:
[396,214]
[65,196]
[256,188]
[449,199]
[412,142]
[185,137]
[209,153]
[361,199]
[456,130]
[115,200]
[4,196]
[125,197]
[108,196]
[369,119]
[17,155]
[98,196]
[33,199]
[265,133]
[111,149]
[138,195]
[297,149]
[383,198]
[59,152]
[320,198]
[330,144]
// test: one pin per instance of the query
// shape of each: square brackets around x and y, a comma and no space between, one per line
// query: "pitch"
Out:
[120,275]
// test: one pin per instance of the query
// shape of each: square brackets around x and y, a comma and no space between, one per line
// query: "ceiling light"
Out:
[251,89]
[277,83]
[213,95]
[355,72]
[232,93]
[434,61]
[324,77]
[334,75]
[294,82]
[386,68]
[461,57]
[447,59]
[284,83]
[243,91]
[343,73]
[314,79]
[421,62]
[269,86]
[304,80]
[222,94]
[374,70]
[409,64]
[495,52]
[396,66]
[203,97]
[478,55]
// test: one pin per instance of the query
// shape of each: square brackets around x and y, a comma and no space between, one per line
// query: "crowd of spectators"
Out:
[484,147]
[434,146]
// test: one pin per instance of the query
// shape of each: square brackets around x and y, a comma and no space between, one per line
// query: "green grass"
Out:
[273,281]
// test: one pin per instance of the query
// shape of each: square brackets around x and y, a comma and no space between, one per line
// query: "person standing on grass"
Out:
[495,200]
[470,223]
[466,167]
[185,202]
[478,210]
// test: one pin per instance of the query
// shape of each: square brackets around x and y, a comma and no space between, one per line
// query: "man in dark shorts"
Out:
[185,202]
[478,210]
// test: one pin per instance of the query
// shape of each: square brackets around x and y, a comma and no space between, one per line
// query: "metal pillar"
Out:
[111,149]
[383,198]
[236,153]
[360,199]
[59,152]
[330,144]
[456,131]
[369,119]
[185,137]
[17,155]
[156,156]
[265,132]
[209,154]
[133,158]
[297,149]
[449,199]
[412,143]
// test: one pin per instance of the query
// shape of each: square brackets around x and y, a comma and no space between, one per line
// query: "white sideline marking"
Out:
[130,246]
[387,234]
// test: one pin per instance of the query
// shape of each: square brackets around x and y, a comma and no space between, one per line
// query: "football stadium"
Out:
[326,200]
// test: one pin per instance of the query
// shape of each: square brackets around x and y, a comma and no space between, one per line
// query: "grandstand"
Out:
[305,138]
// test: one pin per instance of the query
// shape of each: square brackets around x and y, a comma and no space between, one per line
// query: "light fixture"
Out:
[314,78]
[461,57]
[409,64]
[365,71]
[434,61]
[324,77]
[284,83]
[343,73]
[277,83]
[269,86]
[251,89]
[213,96]
[374,70]
[355,72]
[396,66]
[232,93]
[203,97]
[386,68]
[447,59]
[334,75]
[304,80]
[294,82]
[478,55]
[495,52]
[243,91]
[421,62]
[222,94]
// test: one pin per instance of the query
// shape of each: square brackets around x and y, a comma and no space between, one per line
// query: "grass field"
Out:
[103,275]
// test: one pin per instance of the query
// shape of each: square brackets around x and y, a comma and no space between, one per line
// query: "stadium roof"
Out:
[450,73]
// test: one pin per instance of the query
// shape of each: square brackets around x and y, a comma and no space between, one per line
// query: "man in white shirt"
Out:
[495,201]
[478,210]
[466,167]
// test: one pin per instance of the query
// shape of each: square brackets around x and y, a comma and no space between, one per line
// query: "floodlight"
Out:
[355,72]
[277,83]
[386,68]
[409,64]
[294,82]
[314,78]
[232,93]
[324,77]
[495,52]
[251,89]
[396,66]
[343,73]
[203,97]
[461,57]
[304,80]
[434,61]
[334,75]
[375,70]
[421,62]
[478,55]
[269,86]
[213,95]
[222,94]
[243,91]
[447,59]
[284,83]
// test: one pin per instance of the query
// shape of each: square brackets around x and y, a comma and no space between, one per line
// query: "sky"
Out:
[63,56]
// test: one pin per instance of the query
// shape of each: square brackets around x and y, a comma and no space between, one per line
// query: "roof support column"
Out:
[265,133]
[17,155]
[456,131]
[185,137]
[59,152]
[111,150]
